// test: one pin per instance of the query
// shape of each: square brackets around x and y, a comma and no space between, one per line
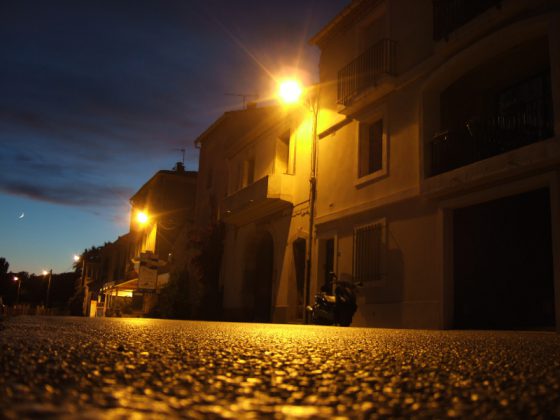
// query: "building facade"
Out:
[254,179]
[140,262]
[438,153]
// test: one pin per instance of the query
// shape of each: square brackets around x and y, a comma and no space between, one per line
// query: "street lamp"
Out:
[77,258]
[49,273]
[290,92]
[142,217]
[16,278]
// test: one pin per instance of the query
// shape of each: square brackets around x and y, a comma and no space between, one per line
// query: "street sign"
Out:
[147,278]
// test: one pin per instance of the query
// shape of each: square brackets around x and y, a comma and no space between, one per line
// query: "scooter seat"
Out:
[330,298]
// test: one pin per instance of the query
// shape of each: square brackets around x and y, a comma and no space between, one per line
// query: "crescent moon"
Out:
[21,216]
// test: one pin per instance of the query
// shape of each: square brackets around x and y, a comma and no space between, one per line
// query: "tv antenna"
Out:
[182,150]
[244,96]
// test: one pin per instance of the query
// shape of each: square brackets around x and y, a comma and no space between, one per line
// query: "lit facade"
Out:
[166,203]
[438,158]
[254,178]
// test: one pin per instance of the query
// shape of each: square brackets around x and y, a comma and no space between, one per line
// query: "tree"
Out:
[76,300]
[5,283]
[173,300]
[205,266]
[4,266]
[193,289]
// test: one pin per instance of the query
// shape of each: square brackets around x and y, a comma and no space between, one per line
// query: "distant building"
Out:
[438,182]
[141,260]
[108,264]
[254,178]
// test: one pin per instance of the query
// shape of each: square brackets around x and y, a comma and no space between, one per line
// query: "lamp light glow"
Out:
[290,91]
[141,217]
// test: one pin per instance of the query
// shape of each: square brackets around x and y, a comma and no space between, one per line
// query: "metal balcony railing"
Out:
[481,138]
[364,71]
[452,14]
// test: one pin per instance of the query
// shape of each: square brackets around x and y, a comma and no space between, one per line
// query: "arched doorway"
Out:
[258,278]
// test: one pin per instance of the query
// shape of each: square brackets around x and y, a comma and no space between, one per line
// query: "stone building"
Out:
[254,178]
[141,261]
[438,152]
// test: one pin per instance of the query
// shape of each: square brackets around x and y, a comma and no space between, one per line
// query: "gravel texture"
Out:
[142,368]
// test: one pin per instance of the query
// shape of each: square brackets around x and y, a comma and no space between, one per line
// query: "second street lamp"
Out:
[16,278]
[142,217]
[49,273]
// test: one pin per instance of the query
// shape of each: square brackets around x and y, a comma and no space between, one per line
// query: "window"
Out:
[248,172]
[369,252]
[243,173]
[526,108]
[370,153]
[284,154]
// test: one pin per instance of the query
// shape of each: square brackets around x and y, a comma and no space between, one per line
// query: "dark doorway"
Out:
[298,247]
[258,278]
[329,261]
[503,276]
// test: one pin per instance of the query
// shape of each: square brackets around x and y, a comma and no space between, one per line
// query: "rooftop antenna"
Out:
[244,96]
[182,150]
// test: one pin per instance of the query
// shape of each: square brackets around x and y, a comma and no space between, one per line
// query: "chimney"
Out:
[179,167]
[251,105]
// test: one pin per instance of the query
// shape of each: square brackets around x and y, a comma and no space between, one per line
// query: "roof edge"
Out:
[225,116]
[354,10]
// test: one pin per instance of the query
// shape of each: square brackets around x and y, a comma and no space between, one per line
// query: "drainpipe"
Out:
[314,105]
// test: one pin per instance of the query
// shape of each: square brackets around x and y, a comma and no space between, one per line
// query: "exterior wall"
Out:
[339,188]
[409,293]
[213,181]
[415,206]
[168,198]
[282,214]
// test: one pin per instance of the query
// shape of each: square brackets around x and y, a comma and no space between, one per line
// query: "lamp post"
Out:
[49,273]
[77,258]
[291,92]
[16,278]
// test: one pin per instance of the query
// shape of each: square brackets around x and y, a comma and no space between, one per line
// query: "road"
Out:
[140,368]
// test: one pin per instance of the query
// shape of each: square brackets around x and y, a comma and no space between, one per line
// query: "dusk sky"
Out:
[96,96]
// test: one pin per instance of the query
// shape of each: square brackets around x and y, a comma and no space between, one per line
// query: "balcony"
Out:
[449,15]
[365,71]
[264,197]
[482,138]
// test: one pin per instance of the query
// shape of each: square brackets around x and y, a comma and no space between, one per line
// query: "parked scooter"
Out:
[335,304]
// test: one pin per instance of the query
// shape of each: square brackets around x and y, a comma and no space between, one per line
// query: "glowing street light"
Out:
[16,278]
[49,273]
[142,217]
[290,91]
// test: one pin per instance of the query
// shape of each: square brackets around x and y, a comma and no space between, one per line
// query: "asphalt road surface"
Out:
[141,368]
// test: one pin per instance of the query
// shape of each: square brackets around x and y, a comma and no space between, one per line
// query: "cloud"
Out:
[69,194]
[98,93]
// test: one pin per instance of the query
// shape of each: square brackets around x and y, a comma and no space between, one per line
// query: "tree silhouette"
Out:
[4,266]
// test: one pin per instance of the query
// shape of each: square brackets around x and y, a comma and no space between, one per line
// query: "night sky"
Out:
[96,96]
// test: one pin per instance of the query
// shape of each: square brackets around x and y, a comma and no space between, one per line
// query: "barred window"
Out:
[369,251]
